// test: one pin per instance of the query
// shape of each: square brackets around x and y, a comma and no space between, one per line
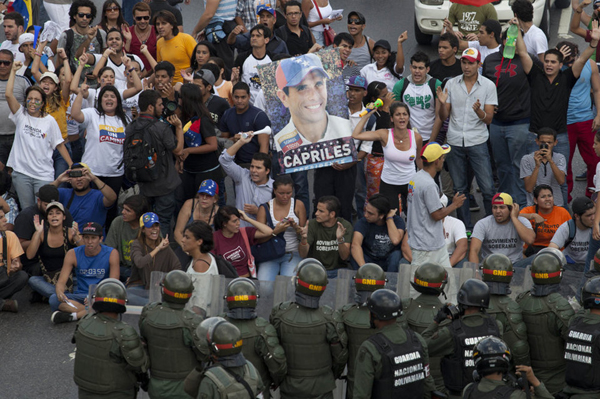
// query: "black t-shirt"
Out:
[24,228]
[511,85]
[160,5]
[196,163]
[281,20]
[296,45]
[217,106]
[550,100]
[442,72]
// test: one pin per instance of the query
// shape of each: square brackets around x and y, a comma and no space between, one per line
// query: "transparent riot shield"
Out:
[521,281]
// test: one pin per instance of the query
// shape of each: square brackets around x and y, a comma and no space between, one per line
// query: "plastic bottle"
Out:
[150,162]
[511,42]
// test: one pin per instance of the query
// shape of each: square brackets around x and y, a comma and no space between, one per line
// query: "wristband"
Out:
[594,46]
[341,240]
[389,217]
[102,188]
[131,69]
[484,116]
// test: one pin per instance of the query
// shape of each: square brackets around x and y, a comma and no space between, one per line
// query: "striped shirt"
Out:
[225,11]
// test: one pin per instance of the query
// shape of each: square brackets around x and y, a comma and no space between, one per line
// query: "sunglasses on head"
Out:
[83,15]
[354,21]
[144,18]
[5,63]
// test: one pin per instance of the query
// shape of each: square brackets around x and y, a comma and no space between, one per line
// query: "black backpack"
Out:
[142,155]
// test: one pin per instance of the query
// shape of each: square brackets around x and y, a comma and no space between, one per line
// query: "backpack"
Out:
[572,232]
[71,37]
[141,153]
[431,82]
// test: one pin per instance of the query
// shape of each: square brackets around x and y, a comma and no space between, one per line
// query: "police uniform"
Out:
[453,340]
[509,313]
[582,355]
[493,389]
[167,330]
[218,383]
[262,349]
[547,320]
[290,138]
[315,349]
[109,354]
[403,370]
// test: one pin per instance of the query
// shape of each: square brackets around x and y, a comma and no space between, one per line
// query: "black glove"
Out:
[144,381]
[441,315]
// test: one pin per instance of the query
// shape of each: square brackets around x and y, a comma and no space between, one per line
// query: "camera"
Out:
[76,173]
[453,311]
[170,108]
[543,146]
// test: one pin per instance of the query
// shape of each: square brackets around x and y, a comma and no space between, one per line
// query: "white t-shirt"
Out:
[535,40]
[372,74]
[454,230]
[93,94]
[131,102]
[50,68]
[7,45]
[597,178]
[104,143]
[250,74]
[72,124]
[120,68]
[484,51]
[35,141]
[202,284]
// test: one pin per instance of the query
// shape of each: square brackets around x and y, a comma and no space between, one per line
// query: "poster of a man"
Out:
[312,137]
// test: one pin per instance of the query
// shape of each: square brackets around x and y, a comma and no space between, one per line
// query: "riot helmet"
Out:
[241,293]
[110,296]
[384,304]
[497,268]
[474,293]
[430,279]
[590,293]
[199,336]
[311,278]
[596,262]
[546,268]
[369,277]
[556,252]
[224,339]
[177,287]
[491,355]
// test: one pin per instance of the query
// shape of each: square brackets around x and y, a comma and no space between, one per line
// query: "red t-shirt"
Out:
[234,249]
[136,44]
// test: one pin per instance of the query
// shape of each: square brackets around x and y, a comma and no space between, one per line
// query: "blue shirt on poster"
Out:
[376,241]
[91,269]
[84,208]
[252,120]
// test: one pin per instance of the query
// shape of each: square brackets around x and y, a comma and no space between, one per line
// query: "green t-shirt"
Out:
[470,17]
[120,236]
[323,243]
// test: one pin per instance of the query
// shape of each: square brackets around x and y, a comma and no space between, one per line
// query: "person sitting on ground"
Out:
[202,207]
[11,267]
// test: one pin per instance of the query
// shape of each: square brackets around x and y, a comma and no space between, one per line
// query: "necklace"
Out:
[145,37]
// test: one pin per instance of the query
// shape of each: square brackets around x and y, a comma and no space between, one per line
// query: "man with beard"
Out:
[13,29]
[502,232]
[85,203]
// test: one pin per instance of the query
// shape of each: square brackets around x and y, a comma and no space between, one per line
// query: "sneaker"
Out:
[473,206]
[581,177]
[61,317]
[10,305]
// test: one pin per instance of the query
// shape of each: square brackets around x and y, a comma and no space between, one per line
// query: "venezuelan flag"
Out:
[23,7]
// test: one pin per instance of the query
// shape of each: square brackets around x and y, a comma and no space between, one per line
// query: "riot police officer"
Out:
[497,271]
[418,313]
[230,375]
[109,353]
[314,344]
[393,363]
[261,345]
[453,339]
[546,314]
[582,352]
[167,329]
[355,316]
[492,361]
[594,270]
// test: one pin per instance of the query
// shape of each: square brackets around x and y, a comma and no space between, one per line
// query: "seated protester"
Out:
[245,117]
[51,242]
[504,232]
[233,243]
[124,230]
[11,209]
[378,236]
[327,237]
[223,87]
[573,236]
[545,218]
[202,207]
[287,216]
[544,166]
[11,267]
[149,253]
[84,202]
[91,263]
[205,79]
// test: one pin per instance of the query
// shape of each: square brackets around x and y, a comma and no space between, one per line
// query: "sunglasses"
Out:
[5,63]
[112,9]
[354,21]
[83,15]
[144,18]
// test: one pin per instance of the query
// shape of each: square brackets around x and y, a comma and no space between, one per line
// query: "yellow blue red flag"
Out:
[23,7]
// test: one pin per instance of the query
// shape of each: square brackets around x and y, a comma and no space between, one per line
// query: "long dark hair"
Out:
[192,104]
[389,64]
[119,110]
[373,91]
[42,93]
[211,49]
[104,20]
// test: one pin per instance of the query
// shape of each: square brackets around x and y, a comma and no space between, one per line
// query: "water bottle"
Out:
[511,42]
[150,163]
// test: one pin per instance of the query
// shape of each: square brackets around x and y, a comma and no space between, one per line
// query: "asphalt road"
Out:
[36,357]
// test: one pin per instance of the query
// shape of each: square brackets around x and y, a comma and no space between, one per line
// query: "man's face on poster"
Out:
[308,100]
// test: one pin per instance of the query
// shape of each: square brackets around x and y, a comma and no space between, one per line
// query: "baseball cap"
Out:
[265,6]
[48,193]
[207,75]
[26,38]
[471,54]
[432,151]
[50,75]
[148,219]
[596,4]
[291,71]
[55,204]
[92,229]
[581,204]
[78,165]
[360,16]
[502,199]
[358,81]
[383,44]
[209,187]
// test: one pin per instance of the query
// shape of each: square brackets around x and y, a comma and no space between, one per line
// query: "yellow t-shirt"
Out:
[178,51]
[60,115]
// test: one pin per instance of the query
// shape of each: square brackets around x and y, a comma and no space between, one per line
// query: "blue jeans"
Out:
[127,10]
[509,145]
[164,207]
[360,193]
[26,188]
[523,263]
[592,249]
[267,271]
[137,296]
[562,147]
[54,302]
[41,286]
[60,165]
[478,158]
[389,264]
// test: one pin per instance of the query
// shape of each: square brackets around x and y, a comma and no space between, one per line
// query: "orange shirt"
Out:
[546,230]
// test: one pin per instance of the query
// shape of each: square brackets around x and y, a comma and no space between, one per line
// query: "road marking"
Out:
[565,21]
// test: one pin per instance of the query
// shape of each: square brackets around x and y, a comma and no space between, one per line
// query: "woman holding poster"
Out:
[401,150]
